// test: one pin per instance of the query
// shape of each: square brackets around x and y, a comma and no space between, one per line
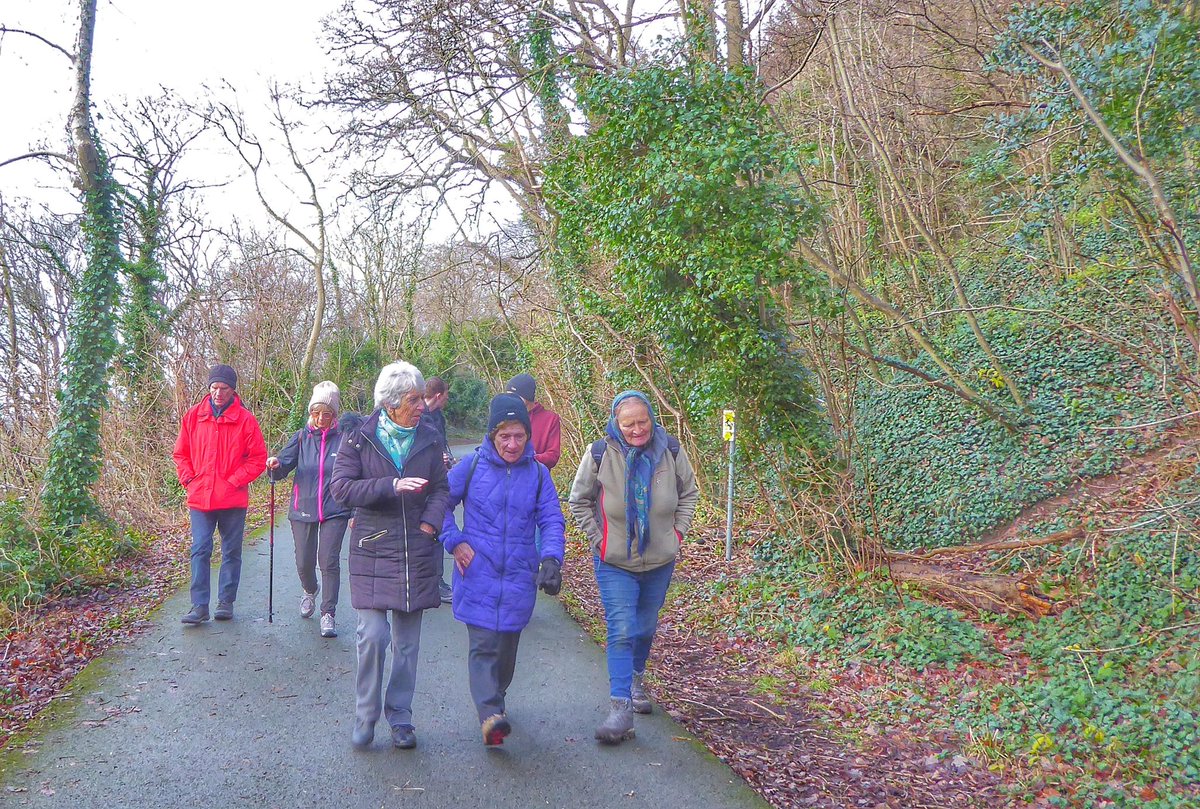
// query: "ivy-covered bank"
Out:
[939,474]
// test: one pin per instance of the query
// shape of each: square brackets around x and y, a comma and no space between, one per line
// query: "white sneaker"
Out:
[308,605]
[327,628]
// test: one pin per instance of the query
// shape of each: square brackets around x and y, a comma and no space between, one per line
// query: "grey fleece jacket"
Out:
[598,502]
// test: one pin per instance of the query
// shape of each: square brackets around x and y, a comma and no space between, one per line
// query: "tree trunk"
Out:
[16,418]
[735,35]
[74,463]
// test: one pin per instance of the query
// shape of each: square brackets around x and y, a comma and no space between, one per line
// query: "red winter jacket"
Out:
[547,435]
[216,459]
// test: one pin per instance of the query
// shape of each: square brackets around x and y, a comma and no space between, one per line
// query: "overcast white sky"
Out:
[140,46]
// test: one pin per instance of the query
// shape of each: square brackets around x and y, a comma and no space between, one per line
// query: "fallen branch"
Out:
[1000,545]
[1012,595]
[778,716]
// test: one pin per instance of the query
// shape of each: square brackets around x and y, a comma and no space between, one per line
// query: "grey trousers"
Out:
[374,637]
[491,659]
[320,545]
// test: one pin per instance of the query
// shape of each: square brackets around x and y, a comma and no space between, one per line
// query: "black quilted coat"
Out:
[394,565]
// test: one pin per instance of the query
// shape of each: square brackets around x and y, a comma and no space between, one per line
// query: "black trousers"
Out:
[491,659]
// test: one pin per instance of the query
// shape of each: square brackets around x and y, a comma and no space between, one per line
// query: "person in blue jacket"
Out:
[498,570]
[318,521]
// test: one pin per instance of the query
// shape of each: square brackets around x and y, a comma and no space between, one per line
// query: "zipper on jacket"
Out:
[404,523]
[403,512]
[321,480]
[407,580]
[372,537]
[504,535]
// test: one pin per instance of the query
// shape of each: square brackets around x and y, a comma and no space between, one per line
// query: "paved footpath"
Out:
[256,714]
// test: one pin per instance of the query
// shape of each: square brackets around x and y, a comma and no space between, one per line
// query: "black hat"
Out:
[506,407]
[524,386]
[223,373]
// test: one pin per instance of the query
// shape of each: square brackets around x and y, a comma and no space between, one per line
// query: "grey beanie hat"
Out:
[223,373]
[326,393]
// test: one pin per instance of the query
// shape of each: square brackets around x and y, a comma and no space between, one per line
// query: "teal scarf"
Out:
[396,440]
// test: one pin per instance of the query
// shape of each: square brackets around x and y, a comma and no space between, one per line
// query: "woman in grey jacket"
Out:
[635,505]
[318,521]
[390,471]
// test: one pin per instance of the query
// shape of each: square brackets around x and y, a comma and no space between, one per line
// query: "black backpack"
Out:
[598,448]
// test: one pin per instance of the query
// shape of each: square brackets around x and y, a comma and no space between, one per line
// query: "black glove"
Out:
[549,577]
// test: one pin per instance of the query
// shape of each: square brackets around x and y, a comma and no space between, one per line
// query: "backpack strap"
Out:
[470,474]
[598,448]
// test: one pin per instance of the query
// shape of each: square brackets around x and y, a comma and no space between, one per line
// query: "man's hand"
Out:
[428,529]
[272,462]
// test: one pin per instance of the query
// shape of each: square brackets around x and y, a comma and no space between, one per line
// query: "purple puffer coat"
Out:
[501,511]
[394,565]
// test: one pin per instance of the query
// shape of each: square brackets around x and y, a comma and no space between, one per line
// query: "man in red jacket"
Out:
[219,452]
[546,427]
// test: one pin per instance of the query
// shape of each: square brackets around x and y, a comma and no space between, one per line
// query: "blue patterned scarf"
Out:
[640,463]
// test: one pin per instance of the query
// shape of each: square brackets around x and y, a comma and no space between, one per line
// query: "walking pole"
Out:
[271,564]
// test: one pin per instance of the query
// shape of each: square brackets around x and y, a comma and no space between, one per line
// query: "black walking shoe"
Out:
[495,728]
[223,612]
[197,615]
[445,593]
[404,737]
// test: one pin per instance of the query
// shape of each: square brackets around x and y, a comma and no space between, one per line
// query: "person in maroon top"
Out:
[545,424]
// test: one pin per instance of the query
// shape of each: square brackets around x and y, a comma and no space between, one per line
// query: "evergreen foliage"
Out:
[74,463]
[680,202]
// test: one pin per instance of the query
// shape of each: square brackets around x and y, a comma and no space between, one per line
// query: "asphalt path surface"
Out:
[251,713]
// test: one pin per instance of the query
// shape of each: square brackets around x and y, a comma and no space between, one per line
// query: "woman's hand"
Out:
[426,528]
[272,462]
[549,577]
[463,555]
[402,485]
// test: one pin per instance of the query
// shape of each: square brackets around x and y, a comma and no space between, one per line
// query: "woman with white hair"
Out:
[318,521]
[390,472]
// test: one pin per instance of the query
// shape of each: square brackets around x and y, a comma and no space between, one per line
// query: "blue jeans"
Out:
[631,605]
[232,524]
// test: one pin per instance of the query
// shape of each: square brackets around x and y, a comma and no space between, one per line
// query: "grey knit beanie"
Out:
[326,393]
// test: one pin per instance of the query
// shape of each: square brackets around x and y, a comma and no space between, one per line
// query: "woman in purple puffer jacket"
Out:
[498,570]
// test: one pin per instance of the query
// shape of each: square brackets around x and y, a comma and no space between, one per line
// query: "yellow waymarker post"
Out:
[729,433]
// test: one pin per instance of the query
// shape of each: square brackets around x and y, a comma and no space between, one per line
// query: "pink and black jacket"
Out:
[312,453]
